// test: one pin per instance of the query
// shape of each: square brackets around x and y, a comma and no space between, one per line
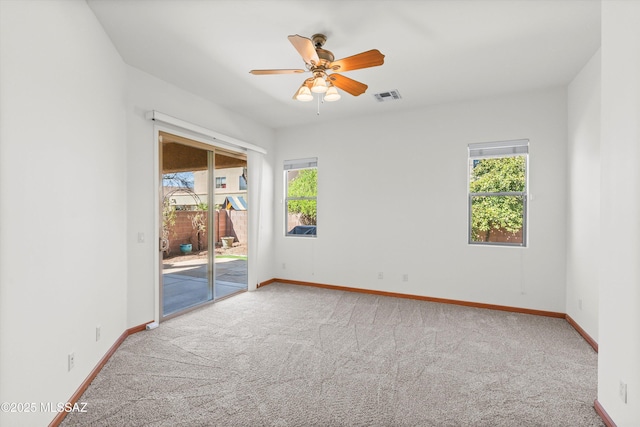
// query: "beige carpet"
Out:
[289,355]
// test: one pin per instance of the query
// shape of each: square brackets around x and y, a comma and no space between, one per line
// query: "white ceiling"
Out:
[436,51]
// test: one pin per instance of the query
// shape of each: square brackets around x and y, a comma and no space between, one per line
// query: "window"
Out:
[221,182]
[242,183]
[498,193]
[301,189]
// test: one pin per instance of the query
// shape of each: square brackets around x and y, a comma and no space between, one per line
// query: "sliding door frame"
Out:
[196,140]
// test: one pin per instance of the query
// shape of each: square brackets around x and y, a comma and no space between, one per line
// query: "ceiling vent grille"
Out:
[392,95]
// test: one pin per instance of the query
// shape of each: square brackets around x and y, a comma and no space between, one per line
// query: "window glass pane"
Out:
[302,183]
[497,219]
[298,222]
[301,202]
[498,192]
[243,183]
[502,174]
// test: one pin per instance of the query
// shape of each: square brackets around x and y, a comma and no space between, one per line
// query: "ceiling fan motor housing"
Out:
[318,40]
[325,56]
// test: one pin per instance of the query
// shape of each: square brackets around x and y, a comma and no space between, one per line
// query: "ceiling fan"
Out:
[320,62]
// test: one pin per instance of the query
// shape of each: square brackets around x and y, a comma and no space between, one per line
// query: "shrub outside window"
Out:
[301,190]
[498,193]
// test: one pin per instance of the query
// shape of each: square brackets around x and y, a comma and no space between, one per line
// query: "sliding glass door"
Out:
[231,226]
[198,265]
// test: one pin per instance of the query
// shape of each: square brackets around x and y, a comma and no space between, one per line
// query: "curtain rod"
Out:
[165,118]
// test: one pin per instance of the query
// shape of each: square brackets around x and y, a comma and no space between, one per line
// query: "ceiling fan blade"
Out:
[305,48]
[370,58]
[348,85]
[263,72]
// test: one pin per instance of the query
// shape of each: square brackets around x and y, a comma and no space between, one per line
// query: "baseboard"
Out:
[85,384]
[603,414]
[423,298]
[265,283]
[582,332]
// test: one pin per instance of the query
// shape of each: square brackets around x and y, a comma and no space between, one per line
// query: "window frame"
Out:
[291,165]
[223,182]
[493,150]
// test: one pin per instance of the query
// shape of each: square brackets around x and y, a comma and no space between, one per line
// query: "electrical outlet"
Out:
[71,359]
[284,266]
[140,237]
[623,392]
[405,277]
[381,275]
[98,328]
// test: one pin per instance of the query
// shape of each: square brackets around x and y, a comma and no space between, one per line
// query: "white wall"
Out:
[63,267]
[146,93]
[415,221]
[72,119]
[619,311]
[583,196]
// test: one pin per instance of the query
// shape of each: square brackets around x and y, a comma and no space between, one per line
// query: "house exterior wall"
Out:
[232,176]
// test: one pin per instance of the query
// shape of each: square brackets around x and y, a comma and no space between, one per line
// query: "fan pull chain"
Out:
[318,113]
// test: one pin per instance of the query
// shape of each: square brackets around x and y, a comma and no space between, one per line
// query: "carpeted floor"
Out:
[290,355]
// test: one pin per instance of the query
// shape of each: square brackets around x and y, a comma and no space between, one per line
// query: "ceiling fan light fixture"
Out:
[321,63]
[332,94]
[319,85]
[304,94]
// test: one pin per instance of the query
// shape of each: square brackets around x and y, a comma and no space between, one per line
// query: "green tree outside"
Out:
[304,184]
[499,212]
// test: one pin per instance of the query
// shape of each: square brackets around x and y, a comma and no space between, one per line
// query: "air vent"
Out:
[392,95]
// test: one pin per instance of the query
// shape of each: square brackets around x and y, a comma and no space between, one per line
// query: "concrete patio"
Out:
[185,284]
